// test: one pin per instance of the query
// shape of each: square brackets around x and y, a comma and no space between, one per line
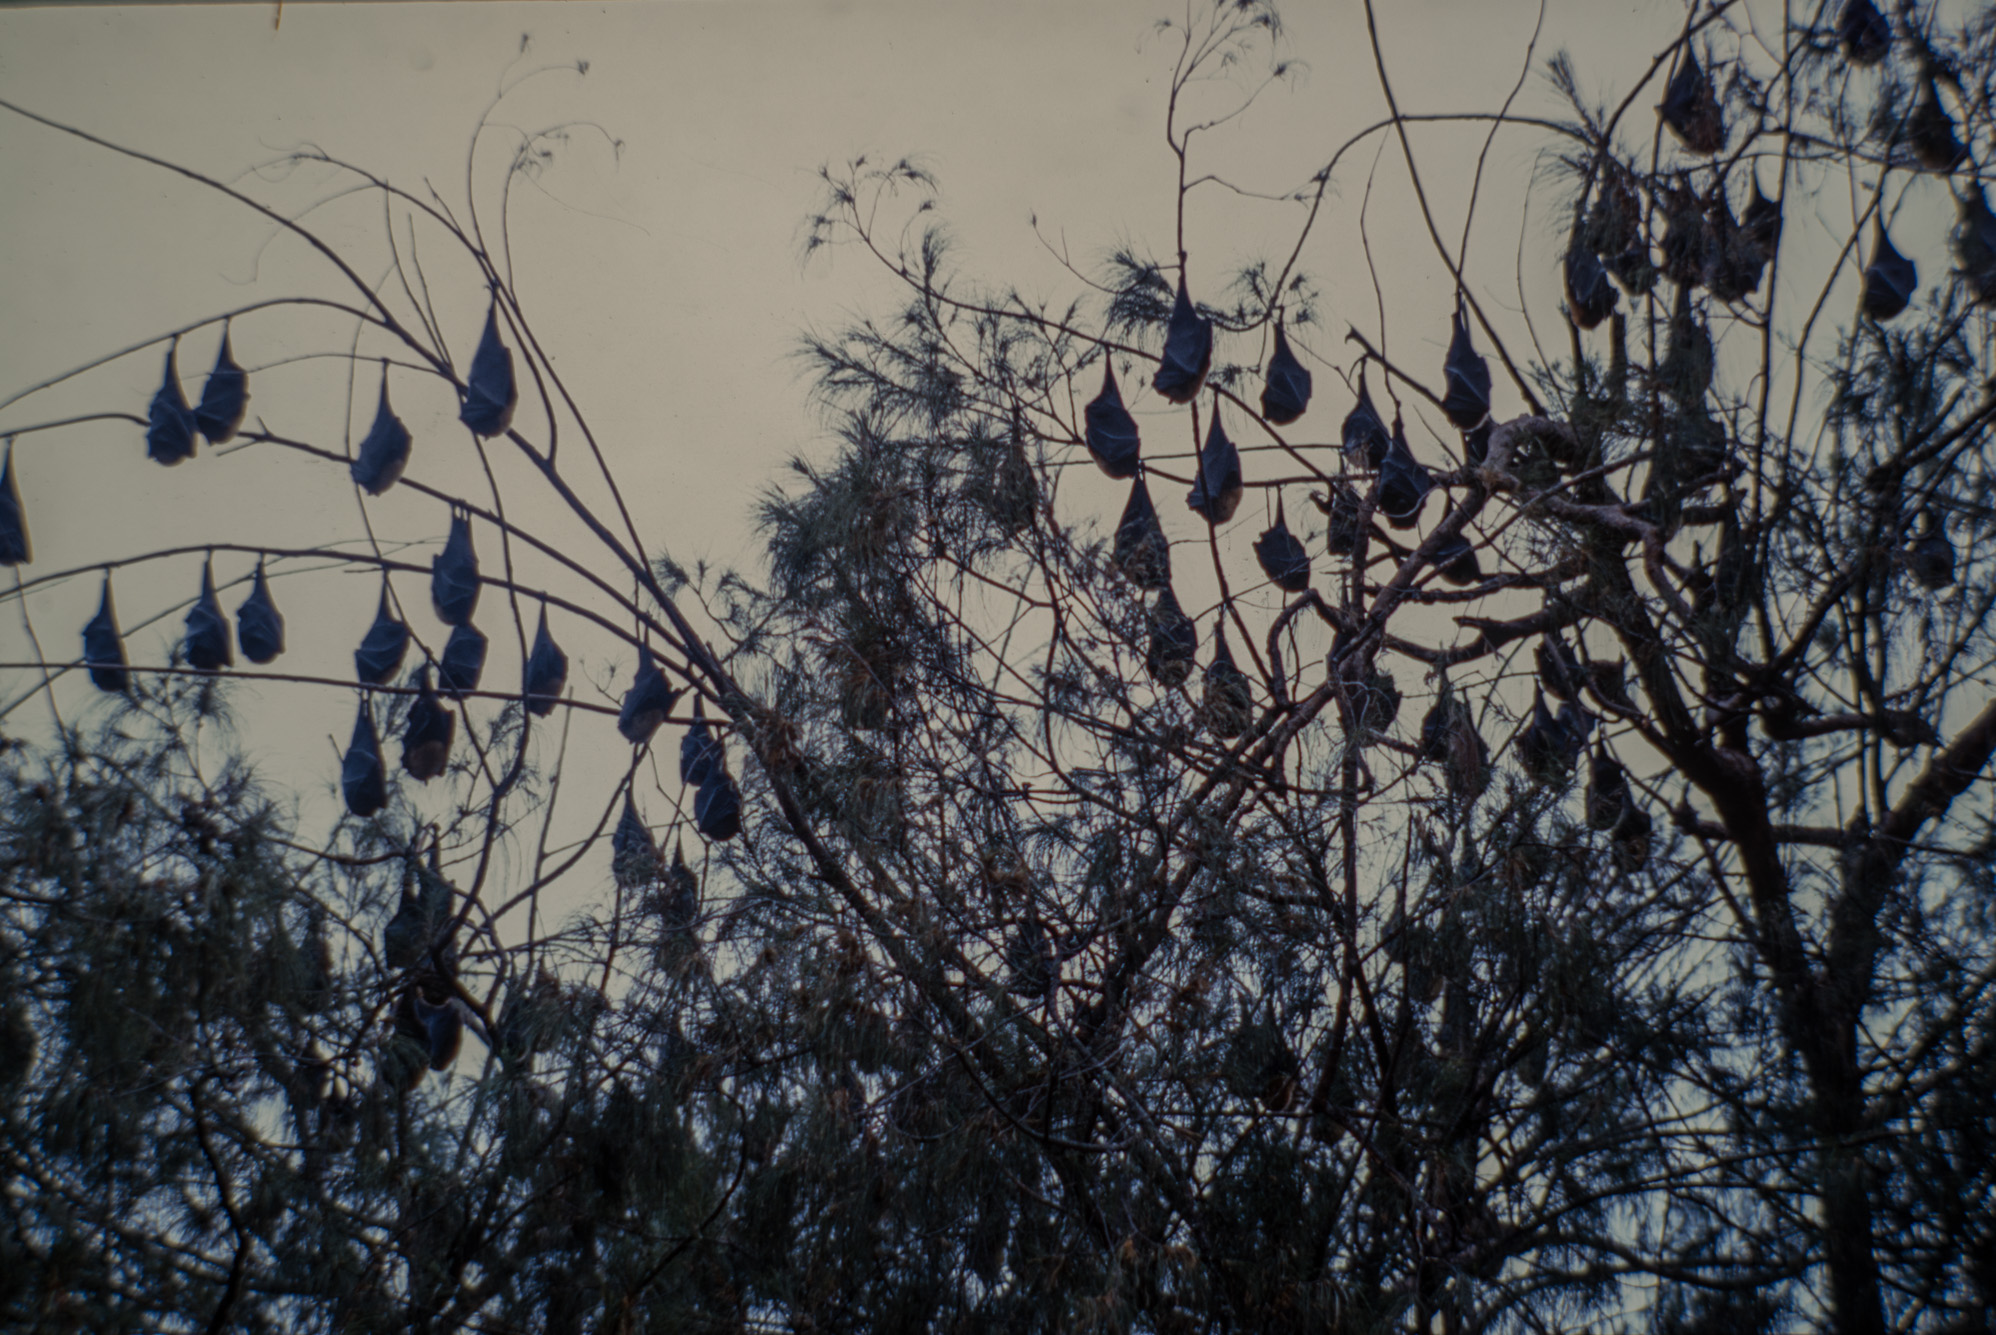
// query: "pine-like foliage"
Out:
[1555,895]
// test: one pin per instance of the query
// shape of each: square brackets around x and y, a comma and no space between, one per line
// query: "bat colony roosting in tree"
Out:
[1099,917]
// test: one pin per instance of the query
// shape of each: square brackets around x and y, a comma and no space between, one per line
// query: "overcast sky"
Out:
[665,276]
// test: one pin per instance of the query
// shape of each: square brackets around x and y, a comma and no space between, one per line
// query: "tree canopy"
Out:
[1512,850]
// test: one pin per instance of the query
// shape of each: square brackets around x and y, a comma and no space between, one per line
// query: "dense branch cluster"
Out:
[1507,853]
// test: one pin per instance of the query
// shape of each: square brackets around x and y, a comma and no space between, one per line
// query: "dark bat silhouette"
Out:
[1930,131]
[1760,221]
[463,661]
[547,671]
[1456,560]
[169,421]
[1029,957]
[1364,431]
[1559,675]
[384,451]
[717,807]
[1228,705]
[443,1030]
[208,628]
[1216,491]
[1689,357]
[1590,297]
[682,901]
[700,752]
[427,737]
[1691,109]
[15,549]
[1734,261]
[1111,431]
[1864,33]
[633,855]
[1631,839]
[1467,377]
[490,392]
[259,625]
[1403,483]
[1686,239]
[1283,558]
[1142,552]
[1174,641]
[454,574]
[1931,557]
[421,920]
[1285,389]
[1188,350]
[647,702]
[1889,280]
[1342,508]
[363,781]
[1974,243]
[381,650]
[1542,745]
[104,648]
[1476,443]
[1607,790]
[224,398]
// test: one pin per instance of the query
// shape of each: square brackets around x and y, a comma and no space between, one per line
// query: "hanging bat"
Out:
[15,549]
[224,398]
[682,904]
[700,752]
[1931,557]
[1760,221]
[646,703]
[1283,558]
[1974,244]
[633,855]
[104,648]
[1342,509]
[454,574]
[443,1029]
[1590,297]
[208,628]
[1559,674]
[384,451]
[1691,109]
[1227,707]
[1111,431]
[1403,483]
[169,421]
[259,625]
[1285,388]
[547,671]
[1216,491]
[1607,790]
[462,663]
[717,807]
[427,737]
[1467,377]
[1864,34]
[363,780]
[1456,560]
[380,652]
[490,392]
[1930,131]
[1364,431]
[1188,350]
[1889,280]
[1174,641]
[1142,553]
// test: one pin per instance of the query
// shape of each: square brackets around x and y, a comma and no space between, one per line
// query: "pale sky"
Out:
[665,278]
